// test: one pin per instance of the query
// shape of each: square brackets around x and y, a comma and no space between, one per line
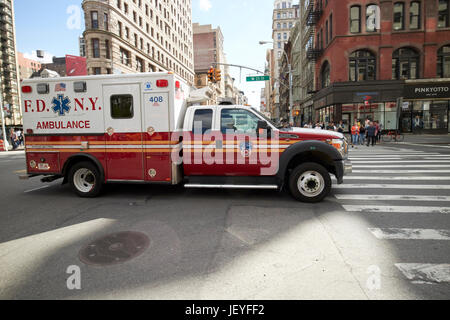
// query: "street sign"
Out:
[258,78]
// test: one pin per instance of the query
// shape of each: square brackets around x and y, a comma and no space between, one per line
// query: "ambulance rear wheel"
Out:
[310,182]
[85,179]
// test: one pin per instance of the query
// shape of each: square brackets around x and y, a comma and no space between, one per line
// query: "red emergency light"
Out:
[162,83]
[26,89]
[177,84]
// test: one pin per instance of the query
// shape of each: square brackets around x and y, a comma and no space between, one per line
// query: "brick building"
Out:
[384,60]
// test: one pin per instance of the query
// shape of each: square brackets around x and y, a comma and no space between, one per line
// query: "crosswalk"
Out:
[402,182]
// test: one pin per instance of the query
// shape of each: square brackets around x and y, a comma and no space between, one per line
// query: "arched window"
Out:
[278,25]
[405,64]
[362,65]
[355,19]
[325,75]
[443,63]
[399,15]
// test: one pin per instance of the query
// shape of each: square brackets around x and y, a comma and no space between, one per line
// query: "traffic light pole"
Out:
[5,138]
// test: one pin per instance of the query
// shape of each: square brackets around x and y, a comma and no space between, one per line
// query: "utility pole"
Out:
[5,138]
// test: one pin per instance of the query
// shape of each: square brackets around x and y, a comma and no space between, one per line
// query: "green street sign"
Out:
[258,78]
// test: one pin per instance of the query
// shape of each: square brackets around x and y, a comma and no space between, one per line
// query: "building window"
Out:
[325,75]
[355,19]
[444,8]
[119,25]
[326,32]
[95,48]
[362,65]
[405,64]
[94,19]
[108,49]
[443,63]
[399,13]
[372,18]
[124,57]
[105,21]
[414,15]
[97,71]
[139,65]
[331,27]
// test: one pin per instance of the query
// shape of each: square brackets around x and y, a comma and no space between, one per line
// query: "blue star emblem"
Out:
[61,105]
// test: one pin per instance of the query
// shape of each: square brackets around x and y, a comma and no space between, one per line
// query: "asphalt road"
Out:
[384,234]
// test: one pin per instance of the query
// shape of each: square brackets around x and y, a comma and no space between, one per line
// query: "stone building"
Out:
[130,36]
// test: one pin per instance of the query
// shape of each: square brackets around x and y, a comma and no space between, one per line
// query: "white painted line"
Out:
[401,166]
[400,161]
[402,178]
[395,158]
[410,234]
[425,145]
[395,209]
[392,186]
[390,197]
[36,189]
[425,273]
[401,171]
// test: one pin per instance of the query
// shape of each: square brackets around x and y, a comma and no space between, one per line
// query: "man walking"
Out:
[371,134]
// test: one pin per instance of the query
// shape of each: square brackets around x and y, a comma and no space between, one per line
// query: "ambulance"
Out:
[151,128]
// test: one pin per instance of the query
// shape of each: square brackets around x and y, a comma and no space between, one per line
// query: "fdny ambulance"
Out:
[149,128]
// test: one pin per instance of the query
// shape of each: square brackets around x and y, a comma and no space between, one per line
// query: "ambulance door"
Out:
[157,139]
[123,123]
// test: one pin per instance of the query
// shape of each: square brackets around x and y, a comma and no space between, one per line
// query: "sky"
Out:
[55,25]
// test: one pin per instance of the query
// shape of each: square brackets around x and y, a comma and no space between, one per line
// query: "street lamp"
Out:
[291,98]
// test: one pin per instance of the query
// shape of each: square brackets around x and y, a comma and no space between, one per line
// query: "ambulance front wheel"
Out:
[310,182]
[85,179]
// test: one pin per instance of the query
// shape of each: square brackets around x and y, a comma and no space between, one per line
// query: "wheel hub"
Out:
[311,184]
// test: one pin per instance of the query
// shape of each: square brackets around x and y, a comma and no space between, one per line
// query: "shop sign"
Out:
[430,91]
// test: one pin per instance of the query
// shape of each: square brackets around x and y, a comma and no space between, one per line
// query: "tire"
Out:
[319,182]
[85,179]
[386,137]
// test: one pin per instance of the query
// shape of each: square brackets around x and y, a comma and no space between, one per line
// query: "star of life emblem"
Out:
[61,105]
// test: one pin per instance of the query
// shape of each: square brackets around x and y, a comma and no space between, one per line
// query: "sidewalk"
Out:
[428,138]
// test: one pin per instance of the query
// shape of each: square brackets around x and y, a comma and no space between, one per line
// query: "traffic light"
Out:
[217,75]
[211,75]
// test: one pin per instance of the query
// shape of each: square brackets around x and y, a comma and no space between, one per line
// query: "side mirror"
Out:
[262,124]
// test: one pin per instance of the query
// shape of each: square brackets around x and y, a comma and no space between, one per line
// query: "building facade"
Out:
[130,36]
[284,18]
[9,71]
[388,61]
[208,50]
[27,67]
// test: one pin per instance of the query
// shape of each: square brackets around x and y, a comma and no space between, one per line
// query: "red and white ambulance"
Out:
[146,128]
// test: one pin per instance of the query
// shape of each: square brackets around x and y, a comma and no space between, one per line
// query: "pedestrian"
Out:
[330,126]
[340,127]
[377,133]
[13,138]
[355,134]
[371,134]
[362,135]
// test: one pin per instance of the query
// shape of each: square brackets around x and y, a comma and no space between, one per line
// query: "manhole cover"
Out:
[114,248]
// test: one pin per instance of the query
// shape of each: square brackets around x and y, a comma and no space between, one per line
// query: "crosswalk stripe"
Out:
[393,158]
[392,186]
[390,197]
[395,209]
[401,171]
[402,178]
[410,234]
[401,166]
[426,273]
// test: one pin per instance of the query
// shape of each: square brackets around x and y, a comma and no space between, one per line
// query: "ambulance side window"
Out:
[202,120]
[122,106]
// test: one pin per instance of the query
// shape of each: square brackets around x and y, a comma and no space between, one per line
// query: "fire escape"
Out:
[314,13]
